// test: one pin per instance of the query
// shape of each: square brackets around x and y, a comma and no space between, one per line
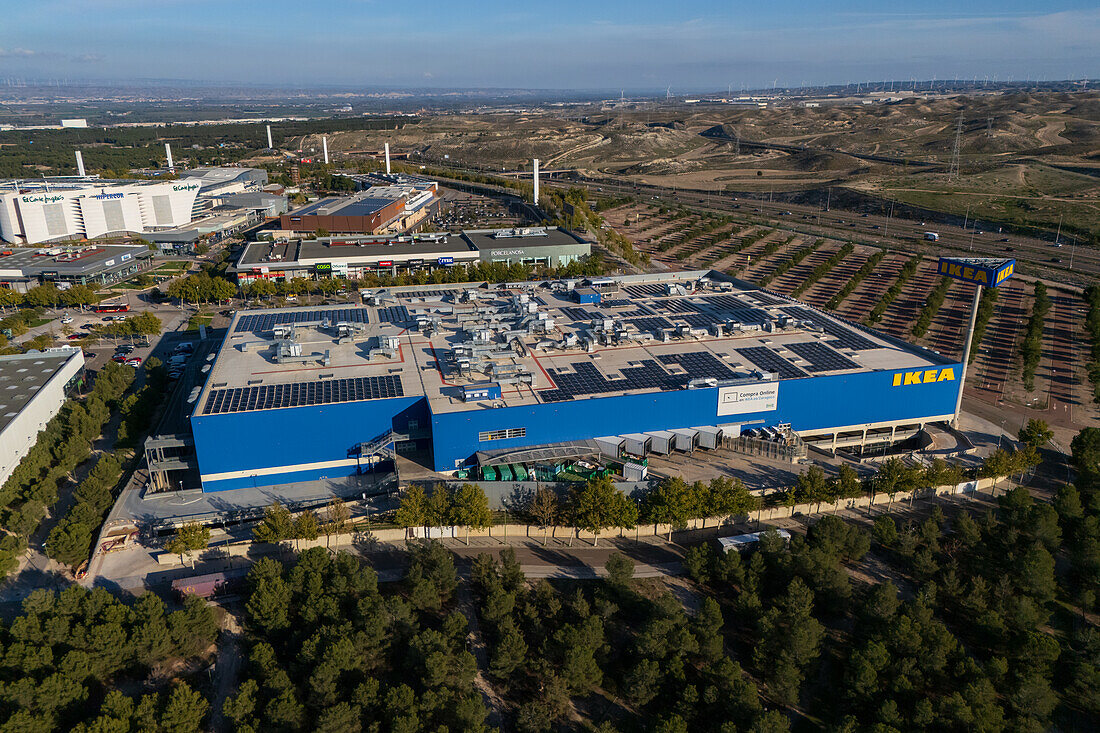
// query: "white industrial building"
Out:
[61,209]
[33,387]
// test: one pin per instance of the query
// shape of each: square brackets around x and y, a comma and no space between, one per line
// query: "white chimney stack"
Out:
[536,181]
[168,150]
[80,164]
[387,157]
[324,144]
[270,145]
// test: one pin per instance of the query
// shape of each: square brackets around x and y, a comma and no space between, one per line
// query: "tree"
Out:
[726,497]
[277,525]
[620,570]
[306,526]
[185,710]
[145,324]
[413,509]
[190,537]
[1036,433]
[509,654]
[470,508]
[268,604]
[1085,450]
[810,486]
[543,509]
[438,506]
[337,520]
[670,503]
[597,505]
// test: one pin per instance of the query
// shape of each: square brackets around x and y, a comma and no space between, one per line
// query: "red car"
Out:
[120,358]
[75,336]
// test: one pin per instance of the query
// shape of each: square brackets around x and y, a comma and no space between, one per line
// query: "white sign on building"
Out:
[740,399]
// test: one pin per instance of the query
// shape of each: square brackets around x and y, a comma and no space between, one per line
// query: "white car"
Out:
[67,319]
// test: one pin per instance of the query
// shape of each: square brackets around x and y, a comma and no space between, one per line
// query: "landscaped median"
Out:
[521,533]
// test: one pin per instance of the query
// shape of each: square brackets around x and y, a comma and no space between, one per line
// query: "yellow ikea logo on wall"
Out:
[986,271]
[959,271]
[924,376]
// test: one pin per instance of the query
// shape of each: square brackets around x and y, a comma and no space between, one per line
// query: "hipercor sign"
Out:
[987,271]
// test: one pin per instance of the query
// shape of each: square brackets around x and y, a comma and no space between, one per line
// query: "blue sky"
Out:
[551,44]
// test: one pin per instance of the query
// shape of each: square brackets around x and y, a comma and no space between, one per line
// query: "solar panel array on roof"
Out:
[821,357]
[579,314]
[770,361]
[427,293]
[676,305]
[617,303]
[697,320]
[394,314]
[640,310]
[586,380]
[649,323]
[843,335]
[261,322]
[299,394]
[767,298]
[644,291]
[699,365]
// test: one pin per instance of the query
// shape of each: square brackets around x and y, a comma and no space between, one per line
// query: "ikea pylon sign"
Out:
[987,271]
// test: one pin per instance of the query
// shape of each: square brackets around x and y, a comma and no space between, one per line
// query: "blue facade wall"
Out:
[288,438]
[808,404]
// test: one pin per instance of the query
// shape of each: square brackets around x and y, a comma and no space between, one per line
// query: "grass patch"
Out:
[199,319]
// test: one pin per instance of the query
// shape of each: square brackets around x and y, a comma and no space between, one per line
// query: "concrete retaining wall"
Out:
[505,531]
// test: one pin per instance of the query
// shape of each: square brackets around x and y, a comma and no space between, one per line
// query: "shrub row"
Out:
[1092,325]
[788,264]
[819,272]
[64,444]
[744,244]
[932,305]
[907,271]
[1032,349]
[71,539]
[856,279]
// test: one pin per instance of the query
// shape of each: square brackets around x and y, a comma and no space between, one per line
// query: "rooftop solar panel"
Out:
[261,322]
[767,298]
[394,314]
[844,336]
[299,394]
[649,323]
[770,361]
[821,357]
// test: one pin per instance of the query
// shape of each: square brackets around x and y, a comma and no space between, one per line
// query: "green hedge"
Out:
[819,272]
[1032,349]
[794,260]
[856,279]
[907,271]
[932,305]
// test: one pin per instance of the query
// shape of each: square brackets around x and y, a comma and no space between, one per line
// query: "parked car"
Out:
[120,358]
[66,319]
[75,336]
[123,349]
[134,362]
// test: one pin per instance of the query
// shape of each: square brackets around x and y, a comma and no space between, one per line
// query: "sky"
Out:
[637,45]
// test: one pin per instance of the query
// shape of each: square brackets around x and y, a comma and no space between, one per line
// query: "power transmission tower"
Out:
[953,169]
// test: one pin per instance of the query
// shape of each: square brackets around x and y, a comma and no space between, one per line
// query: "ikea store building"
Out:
[471,376]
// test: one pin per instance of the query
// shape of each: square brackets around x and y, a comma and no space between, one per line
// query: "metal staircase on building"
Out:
[381,446]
